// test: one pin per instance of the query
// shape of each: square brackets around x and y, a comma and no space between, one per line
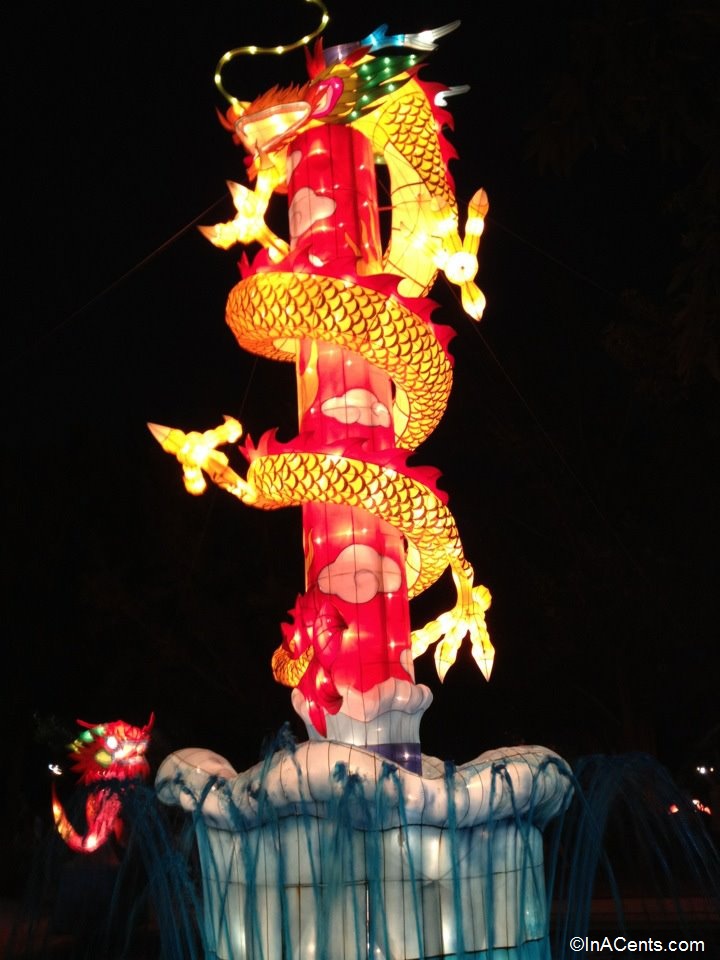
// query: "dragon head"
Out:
[111,751]
[337,92]
[268,124]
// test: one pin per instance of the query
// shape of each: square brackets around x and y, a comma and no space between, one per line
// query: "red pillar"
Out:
[345,405]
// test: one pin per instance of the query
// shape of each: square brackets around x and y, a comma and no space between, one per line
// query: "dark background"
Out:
[579,447]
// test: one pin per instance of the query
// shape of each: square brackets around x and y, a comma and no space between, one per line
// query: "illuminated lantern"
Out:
[103,752]
[373,377]
[324,850]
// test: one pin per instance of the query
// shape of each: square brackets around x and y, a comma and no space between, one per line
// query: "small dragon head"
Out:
[111,751]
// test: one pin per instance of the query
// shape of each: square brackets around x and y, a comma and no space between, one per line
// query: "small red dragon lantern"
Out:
[102,753]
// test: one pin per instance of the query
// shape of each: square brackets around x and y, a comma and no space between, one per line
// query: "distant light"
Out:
[698,804]
[55,769]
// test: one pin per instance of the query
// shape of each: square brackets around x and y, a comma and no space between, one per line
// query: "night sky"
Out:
[578,449]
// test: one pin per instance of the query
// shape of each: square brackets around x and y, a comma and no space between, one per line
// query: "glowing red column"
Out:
[352,559]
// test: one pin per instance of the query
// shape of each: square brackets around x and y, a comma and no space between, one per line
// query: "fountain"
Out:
[353,844]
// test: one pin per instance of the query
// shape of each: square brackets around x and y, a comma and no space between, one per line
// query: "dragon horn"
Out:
[425,40]
[88,726]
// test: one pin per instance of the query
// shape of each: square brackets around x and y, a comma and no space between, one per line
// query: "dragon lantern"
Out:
[373,375]
[102,753]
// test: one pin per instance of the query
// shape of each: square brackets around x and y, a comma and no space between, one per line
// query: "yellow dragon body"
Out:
[377,310]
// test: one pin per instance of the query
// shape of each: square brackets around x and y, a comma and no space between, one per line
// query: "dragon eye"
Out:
[112,743]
